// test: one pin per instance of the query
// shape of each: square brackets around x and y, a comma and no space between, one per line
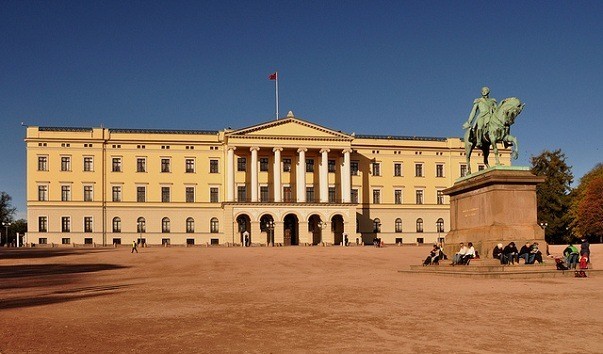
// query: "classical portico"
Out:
[283,165]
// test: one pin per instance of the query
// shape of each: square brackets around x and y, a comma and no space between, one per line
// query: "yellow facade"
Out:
[104,186]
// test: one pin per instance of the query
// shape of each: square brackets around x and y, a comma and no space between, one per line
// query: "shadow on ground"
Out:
[24,253]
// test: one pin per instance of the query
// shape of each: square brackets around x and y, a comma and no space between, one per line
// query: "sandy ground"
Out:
[277,300]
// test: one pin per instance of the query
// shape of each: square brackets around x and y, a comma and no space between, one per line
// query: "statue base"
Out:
[496,205]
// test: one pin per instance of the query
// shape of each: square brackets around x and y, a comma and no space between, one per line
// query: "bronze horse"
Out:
[496,131]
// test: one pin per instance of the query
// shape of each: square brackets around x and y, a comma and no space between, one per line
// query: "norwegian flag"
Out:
[272,76]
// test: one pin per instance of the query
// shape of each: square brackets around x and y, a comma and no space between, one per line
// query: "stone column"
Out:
[346,177]
[300,180]
[254,173]
[230,174]
[276,171]
[256,235]
[323,172]
[279,233]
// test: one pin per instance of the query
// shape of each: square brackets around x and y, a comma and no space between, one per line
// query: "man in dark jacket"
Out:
[511,253]
[524,252]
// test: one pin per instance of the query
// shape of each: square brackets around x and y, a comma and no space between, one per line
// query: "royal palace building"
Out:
[284,182]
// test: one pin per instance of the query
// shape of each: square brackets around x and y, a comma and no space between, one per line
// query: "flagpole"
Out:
[276,88]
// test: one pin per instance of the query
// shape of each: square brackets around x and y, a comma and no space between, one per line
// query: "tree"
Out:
[553,195]
[585,205]
[7,211]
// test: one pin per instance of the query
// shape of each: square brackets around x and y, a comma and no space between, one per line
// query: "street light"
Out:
[6,225]
[544,225]
[270,227]
[322,225]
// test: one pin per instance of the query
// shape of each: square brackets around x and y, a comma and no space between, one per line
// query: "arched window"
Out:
[398,225]
[214,226]
[440,225]
[142,225]
[190,225]
[116,224]
[419,225]
[165,225]
[376,225]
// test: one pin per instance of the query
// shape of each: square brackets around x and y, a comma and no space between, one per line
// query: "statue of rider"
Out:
[486,107]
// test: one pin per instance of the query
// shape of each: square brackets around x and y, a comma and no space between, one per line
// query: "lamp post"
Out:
[322,225]
[438,228]
[270,228]
[544,225]
[6,224]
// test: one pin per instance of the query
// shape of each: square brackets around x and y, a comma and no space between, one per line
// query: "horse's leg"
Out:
[515,149]
[495,150]
[486,152]
[468,148]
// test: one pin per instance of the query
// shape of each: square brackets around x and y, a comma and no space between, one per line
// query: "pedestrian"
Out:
[585,249]
[134,248]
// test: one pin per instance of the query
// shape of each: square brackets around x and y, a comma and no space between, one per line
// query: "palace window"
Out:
[116,164]
[418,170]
[376,196]
[165,225]
[42,224]
[264,195]
[376,169]
[440,197]
[309,194]
[116,193]
[141,194]
[398,225]
[141,164]
[189,165]
[87,223]
[377,225]
[419,196]
[141,225]
[214,226]
[439,170]
[213,166]
[42,163]
[398,169]
[165,194]
[354,168]
[286,165]
[241,164]
[331,166]
[116,224]
[419,225]
[263,164]
[463,170]
[213,195]
[65,163]
[42,193]
[190,194]
[65,193]
[241,193]
[165,165]
[88,193]
[332,195]
[398,196]
[354,195]
[88,164]
[287,194]
[309,165]
[440,225]
[190,225]
[66,224]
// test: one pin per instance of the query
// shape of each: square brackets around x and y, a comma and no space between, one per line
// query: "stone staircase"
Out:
[492,269]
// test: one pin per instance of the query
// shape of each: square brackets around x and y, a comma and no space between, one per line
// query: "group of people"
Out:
[529,252]
[435,255]
[464,255]
[573,257]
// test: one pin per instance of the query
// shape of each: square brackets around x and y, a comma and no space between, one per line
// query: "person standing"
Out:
[134,248]
[585,249]
[571,256]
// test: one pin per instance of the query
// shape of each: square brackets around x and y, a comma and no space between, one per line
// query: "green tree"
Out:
[553,195]
[7,211]
[582,211]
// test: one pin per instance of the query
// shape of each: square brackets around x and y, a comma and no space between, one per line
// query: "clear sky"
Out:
[370,67]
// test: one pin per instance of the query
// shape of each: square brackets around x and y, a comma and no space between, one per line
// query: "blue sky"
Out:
[378,67]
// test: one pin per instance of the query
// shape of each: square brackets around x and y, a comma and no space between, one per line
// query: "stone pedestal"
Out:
[497,205]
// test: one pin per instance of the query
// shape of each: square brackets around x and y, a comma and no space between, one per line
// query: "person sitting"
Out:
[469,255]
[498,253]
[433,257]
[442,254]
[524,252]
[571,255]
[459,255]
[511,252]
[535,254]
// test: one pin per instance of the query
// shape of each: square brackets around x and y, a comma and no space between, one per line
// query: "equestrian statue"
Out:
[491,126]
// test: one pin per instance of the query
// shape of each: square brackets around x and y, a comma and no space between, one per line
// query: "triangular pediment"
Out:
[290,127]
